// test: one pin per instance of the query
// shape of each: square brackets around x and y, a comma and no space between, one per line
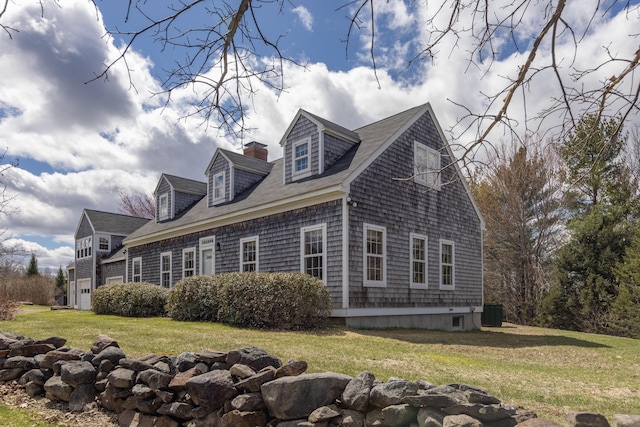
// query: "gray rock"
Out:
[112,353]
[209,357]
[31,350]
[324,413]
[24,362]
[135,364]
[481,412]
[56,390]
[248,402]
[242,371]
[211,419]
[350,418]
[356,393]
[35,376]
[430,417]
[255,357]
[292,369]
[11,374]
[211,389]
[374,418]
[122,378]
[253,383]
[587,419]
[237,418]
[461,420]
[431,400]
[81,396]
[289,398]
[116,392]
[56,342]
[397,415]
[33,389]
[102,342]
[185,361]
[392,392]
[76,373]
[156,380]
[623,420]
[180,410]
[142,391]
[149,406]
[538,422]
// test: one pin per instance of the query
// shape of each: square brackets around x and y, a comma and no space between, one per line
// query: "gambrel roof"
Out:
[272,194]
[113,223]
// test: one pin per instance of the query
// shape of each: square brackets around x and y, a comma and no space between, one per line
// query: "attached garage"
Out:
[85,294]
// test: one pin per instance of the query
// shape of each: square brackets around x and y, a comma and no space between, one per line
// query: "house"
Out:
[100,257]
[381,214]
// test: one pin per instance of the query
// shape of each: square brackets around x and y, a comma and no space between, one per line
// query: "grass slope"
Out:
[547,371]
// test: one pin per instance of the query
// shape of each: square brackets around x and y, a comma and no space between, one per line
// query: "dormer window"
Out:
[301,160]
[218,187]
[163,206]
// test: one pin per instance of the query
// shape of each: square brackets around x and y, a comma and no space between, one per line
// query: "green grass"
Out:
[16,417]
[546,371]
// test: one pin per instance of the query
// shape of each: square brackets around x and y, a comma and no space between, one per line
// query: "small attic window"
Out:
[218,187]
[163,206]
[301,158]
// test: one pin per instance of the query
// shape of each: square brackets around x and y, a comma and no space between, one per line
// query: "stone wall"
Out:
[248,387]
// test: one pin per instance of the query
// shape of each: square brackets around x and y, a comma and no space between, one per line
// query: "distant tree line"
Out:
[562,240]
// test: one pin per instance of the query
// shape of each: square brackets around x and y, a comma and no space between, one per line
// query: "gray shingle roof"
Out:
[185,185]
[247,163]
[272,188]
[333,127]
[112,223]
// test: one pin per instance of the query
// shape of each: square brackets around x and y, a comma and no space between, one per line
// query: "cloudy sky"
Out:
[79,144]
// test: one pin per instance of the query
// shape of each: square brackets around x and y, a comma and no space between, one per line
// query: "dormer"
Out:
[312,144]
[229,173]
[175,194]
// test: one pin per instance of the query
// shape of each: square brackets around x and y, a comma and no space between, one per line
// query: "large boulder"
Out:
[76,373]
[356,393]
[56,390]
[211,389]
[289,398]
[392,392]
[254,357]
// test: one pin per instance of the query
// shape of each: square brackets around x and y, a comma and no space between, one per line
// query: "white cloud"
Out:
[304,16]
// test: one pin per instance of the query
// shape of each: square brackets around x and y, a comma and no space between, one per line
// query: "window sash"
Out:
[418,260]
[427,165]
[447,261]
[165,270]
[313,249]
[249,254]
[301,157]
[218,186]
[375,254]
[136,266]
[188,262]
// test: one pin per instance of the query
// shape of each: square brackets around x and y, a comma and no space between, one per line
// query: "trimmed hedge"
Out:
[139,299]
[194,299]
[273,300]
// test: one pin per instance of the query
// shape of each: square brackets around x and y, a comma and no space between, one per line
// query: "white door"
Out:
[85,294]
[206,261]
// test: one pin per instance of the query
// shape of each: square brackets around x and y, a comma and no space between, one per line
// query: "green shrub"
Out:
[273,300]
[138,299]
[194,299]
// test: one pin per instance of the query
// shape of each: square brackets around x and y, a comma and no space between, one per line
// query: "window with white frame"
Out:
[313,250]
[163,206]
[103,243]
[375,255]
[301,157]
[218,187]
[447,264]
[83,247]
[418,260]
[188,262]
[165,269]
[249,254]
[426,165]
[136,270]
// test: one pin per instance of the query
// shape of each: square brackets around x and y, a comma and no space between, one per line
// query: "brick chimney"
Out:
[256,150]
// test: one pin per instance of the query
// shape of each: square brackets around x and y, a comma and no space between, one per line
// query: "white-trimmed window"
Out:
[207,256]
[188,262]
[249,254]
[163,206]
[83,247]
[447,264]
[103,243]
[301,163]
[165,269]
[313,251]
[375,255]
[426,165]
[136,270]
[218,187]
[418,259]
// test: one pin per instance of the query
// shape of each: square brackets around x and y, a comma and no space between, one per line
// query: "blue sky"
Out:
[79,144]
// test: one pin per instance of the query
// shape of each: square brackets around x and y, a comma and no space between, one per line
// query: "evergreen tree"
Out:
[32,268]
[601,205]
[61,282]
[625,312]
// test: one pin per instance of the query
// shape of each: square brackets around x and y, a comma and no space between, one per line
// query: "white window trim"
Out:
[113,280]
[257,261]
[84,247]
[425,177]
[162,255]
[163,197]
[222,196]
[374,283]
[453,265]
[412,284]
[184,269]
[204,244]
[102,236]
[304,172]
[133,269]
[303,256]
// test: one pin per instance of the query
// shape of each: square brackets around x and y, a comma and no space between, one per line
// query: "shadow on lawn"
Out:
[484,338]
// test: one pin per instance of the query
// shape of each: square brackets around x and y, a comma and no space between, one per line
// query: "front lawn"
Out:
[546,371]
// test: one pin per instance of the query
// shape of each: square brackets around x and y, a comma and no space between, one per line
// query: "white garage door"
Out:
[85,294]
